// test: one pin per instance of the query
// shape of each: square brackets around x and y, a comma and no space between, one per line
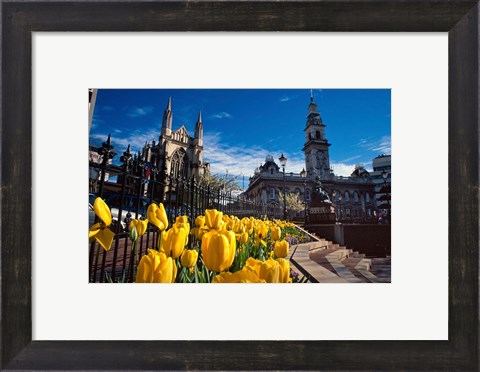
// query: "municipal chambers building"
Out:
[353,197]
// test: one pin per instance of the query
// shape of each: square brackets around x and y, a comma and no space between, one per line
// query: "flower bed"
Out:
[218,249]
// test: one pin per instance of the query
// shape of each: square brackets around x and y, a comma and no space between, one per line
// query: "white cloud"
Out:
[350,159]
[240,159]
[221,115]
[382,145]
[342,169]
[135,112]
[285,99]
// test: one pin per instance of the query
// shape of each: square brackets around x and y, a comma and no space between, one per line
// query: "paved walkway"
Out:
[325,262]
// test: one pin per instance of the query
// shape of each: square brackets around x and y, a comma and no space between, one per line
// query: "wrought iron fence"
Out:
[140,183]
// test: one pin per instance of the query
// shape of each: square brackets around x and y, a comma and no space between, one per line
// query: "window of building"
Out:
[317,134]
[347,212]
[367,197]
[272,194]
[307,194]
[297,191]
[355,197]
[347,197]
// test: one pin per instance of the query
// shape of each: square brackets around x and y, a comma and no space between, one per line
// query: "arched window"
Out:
[355,197]
[367,197]
[297,191]
[179,165]
[307,194]
[347,196]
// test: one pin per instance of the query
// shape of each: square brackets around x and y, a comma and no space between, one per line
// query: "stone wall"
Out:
[372,240]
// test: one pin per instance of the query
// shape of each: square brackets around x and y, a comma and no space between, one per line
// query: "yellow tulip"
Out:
[268,270]
[182,221]
[242,276]
[200,221]
[198,232]
[214,219]
[102,211]
[100,231]
[275,233]
[157,216]
[189,258]
[262,230]
[174,241]
[242,238]
[218,249]
[285,268]
[156,267]
[281,248]
[140,227]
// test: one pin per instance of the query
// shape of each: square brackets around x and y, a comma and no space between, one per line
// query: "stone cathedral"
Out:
[176,152]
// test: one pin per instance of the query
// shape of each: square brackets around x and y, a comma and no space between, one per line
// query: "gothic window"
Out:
[347,197]
[179,165]
[307,194]
[297,191]
[317,134]
[355,197]
[272,194]
[367,197]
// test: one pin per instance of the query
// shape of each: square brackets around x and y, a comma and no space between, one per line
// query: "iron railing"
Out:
[140,183]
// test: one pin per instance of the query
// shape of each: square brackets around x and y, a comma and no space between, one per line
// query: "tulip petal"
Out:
[105,238]
[94,230]
[102,211]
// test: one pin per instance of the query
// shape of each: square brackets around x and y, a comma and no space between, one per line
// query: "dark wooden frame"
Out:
[459,18]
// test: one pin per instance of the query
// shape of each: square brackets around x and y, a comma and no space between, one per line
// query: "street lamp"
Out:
[340,201]
[334,195]
[303,174]
[283,163]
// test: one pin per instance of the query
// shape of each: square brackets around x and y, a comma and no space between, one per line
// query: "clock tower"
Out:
[317,161]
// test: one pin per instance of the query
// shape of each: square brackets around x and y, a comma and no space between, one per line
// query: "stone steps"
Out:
[323,261]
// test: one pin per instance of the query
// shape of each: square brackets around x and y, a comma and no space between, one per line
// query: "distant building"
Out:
[382,166]
[353,197]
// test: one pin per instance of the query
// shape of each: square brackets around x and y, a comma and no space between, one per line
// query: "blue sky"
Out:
[243,126]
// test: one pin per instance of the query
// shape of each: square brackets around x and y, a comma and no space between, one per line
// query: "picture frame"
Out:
[459,18]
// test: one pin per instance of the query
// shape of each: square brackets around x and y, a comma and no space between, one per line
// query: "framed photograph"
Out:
[58,315]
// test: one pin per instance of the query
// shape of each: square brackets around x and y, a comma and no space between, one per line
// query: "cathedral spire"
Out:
[311,95]
[199,130]
[167,119]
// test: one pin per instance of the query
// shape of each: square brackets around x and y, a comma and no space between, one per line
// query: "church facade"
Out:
[353,197]
[177,153]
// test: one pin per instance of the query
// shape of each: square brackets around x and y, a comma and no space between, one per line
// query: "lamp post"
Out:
[334,195]
[303,174]
[283,163]
[340,201]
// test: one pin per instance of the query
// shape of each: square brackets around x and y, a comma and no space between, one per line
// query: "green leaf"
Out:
[197,280]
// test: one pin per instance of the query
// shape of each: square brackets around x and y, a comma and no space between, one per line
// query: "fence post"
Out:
[126,159]
[106,151]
